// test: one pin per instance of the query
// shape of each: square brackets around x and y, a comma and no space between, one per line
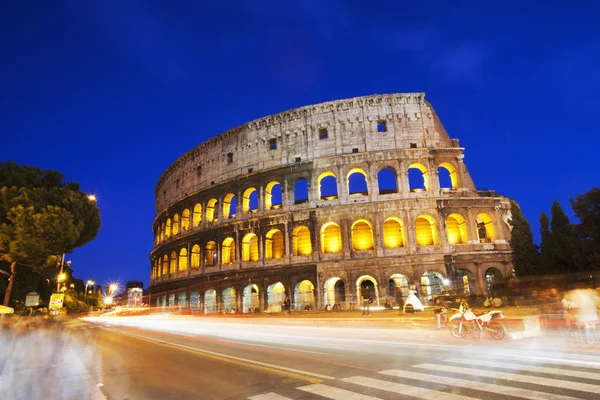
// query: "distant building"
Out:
[134,297]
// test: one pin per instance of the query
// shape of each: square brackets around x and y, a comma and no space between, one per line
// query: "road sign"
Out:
[56,300]
[32,299]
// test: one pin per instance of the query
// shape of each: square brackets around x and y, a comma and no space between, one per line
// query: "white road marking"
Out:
[271,347]
[269,396]
[483,386]
[405,390]
[335,393]
[180,334]
[565,361]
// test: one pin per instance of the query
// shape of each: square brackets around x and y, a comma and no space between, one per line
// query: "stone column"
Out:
[403,184]
[434,179]
[286,242]
[219,262]
[460,166]
[261,198]
[238,249]
[346,239]
[373,184]
[472,226]
[189,259]
[202,260]
[411,235]
[378,235]
[500,236]
[285,195]
[481,285]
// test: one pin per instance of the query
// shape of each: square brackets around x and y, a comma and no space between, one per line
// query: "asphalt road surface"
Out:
[234,358]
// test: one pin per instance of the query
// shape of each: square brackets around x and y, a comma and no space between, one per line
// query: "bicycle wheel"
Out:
[459,329]
[497,330]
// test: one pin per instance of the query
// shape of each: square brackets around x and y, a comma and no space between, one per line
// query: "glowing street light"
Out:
[88,283]
[113,288]
[92,197]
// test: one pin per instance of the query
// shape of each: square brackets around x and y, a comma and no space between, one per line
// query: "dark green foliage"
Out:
[565,241]
[587,208]
[547,264]
[525,254]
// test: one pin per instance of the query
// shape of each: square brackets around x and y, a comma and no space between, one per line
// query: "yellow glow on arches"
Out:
[185,220]
[269,194]
[453,175]
[250,247]
[173,265]
[197,216]
[393,233]
[301,244]
[211,215]
[274,247]
[228,251]
[424,172]
[456,229]
[210,252]
[168,228]
[196,256]
[425,231]
[331,238]
[183,260]
[165,265]
[323,176]
[227,205]
[362,235]
[246,199]
[175,228]
[487,222]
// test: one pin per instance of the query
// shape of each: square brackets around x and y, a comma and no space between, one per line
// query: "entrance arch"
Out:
[493,279]
[275,296]
[432,282]
[210,301]
[366,286]
[304,295]
[250,300]
[464,282]
[334,291]
[229,303]
[398,288]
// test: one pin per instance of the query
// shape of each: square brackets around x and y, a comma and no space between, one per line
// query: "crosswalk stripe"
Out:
[529,368]
[335,393]
[269,396]
[583,387]
[486,387]
[405,390]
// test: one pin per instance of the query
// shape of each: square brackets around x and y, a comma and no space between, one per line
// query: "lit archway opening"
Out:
[250,201]
[195,302]
[493,279]
[366,288]
[418,178]
[387,181]
[425,231]
[301,191]
[228,251]
[162,232]
[165,265]
[456,229]
[398,288]
[182,300]
[304,297]
[357,182]
[464,281]
[334,292]
[157,236]
[273,196]
[185,220]
[448,176]
[195,256]
[229,300]
[327,186]
[331,238]
[275,296]
[250,247]
[175,228]
[229,206]
[393,233]
[301,244]
[183,259]
[210,254]
[197,215]
[168,228]
[362,235]
[274,247]
[212,210]
[432,282]
[210,301]
[250,298]
[485,228]
[173,263]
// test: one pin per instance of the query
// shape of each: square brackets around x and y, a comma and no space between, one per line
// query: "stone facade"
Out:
[326,248]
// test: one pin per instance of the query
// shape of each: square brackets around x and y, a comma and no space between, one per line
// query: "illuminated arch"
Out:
[301,191]
[362,235]
[425,231]
[168,228]
[394,235]
[301,243]
[274,247]
[250,247]
[250,298]
[165,265]
[175,228]
[210,254]
[329,180]
[456,229]
[432,282]
[229,206]
[493,277]
[366,288]
[185,220]
[485,228]
[210,301]
[250,200]
[162,232]
[229,299]
[195,256]
[418,177]
[304,295]
[197,215]
[464,281]
[449,178]
[212,212]
[273,195]
[275,295]
[387,181]
[331,238]
[357,181]
[398,287]
[228,251]
[183,259]
[157,236]
[173,263]
[334,291]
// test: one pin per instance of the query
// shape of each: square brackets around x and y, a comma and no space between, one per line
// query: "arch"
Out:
[229,299]
[273,195]
[210,301]
[195,302]
[327,182]
[274,247]
[183,259]
[334,292]
[387,181]
[250,200]
[301,191]
[182,300]
[162,232]
[195,256]
[357,181]
[175,228]
[229,206]
[464,281]
[425,231]
[165,265]
[485,228]
[212,210]
[210,254]
[331,238]
[228,251]
[432,282]
[250,300]
[173,263]
[197,215]
[366,287]
[362,235]
[418,178]
[448,176]
[250,247]
[275,297]
[456,229]
[398,288]
[301,243]
[168,228]
[394,235]
[185,220]
[493,279]
[157,236]
[304,295]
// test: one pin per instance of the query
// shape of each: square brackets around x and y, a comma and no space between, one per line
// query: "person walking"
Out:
[366,300]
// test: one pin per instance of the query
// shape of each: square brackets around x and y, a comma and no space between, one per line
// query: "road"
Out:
[234,358]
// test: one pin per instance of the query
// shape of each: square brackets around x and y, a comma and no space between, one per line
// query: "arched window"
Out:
[195,256]
[393,233]
[485,228]
[362,235]
[425,231]
[157,236]
[185,220]
[274,247]
[210,254]
[273,196]
[250,247]
[418,178]
[228,251]
[212,210]
[387,180]
[250,200]
[173,265]
[197,215]
[165,266]
[456,229]
[175,228]
[301,244]
[229,206]
[357,182]
[301,191]
[168,228]
[327,186]
[448,176]
[331,238]
[183,259]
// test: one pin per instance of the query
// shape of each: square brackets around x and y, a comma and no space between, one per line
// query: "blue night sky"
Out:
[112,92]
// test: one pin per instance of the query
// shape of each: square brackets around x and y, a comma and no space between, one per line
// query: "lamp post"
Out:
[88,283]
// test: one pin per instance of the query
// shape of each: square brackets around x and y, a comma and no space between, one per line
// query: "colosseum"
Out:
[326,204]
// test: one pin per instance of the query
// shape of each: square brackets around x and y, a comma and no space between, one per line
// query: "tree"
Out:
[41,217]
[587,209]
[565,240]
[547,261]
[525,253]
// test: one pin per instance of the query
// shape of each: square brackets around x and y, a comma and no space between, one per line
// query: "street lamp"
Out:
[113,287]
[92,197]
[88,283]
[61,278]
